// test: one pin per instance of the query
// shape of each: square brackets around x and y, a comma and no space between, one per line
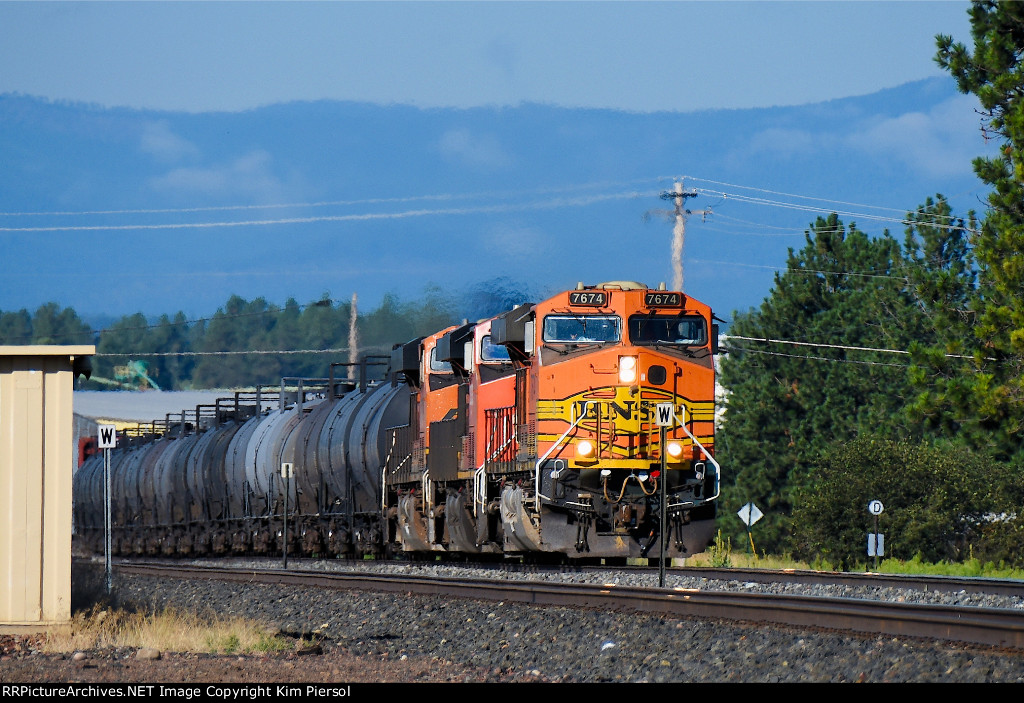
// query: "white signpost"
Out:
[106,440]
[665,415]
[750,514]
[876,541]
[287,469]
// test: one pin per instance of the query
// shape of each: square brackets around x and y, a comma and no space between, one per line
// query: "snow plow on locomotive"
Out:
[532,432]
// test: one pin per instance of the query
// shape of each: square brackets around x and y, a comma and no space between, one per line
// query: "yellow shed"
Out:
[36,455]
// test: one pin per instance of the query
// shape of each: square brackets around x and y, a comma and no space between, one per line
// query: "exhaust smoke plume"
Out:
[678,239]
[353,340]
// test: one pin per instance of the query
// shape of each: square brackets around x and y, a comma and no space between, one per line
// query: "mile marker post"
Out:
[107,440]
[876,508]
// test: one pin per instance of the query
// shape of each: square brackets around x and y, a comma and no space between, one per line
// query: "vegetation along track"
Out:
[994,626]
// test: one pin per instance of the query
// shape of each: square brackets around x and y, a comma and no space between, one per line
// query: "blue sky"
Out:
[639,56]
[94,172]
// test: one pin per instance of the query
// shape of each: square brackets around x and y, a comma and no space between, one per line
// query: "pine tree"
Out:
[788,404]
[15,327]
[53,325]
[994,72]
[942,279]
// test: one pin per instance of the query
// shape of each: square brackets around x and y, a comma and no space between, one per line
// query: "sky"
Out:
[640,57]
[637,56]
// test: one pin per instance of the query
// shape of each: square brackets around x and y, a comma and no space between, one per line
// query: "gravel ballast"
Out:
[562,644]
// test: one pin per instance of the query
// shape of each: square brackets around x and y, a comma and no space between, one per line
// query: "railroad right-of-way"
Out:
[612,632]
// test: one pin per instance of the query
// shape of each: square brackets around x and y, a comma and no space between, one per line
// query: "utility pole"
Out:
[679,230]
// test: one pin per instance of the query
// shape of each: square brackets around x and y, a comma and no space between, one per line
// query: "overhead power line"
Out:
[824,210]
[480,195]
[769,340]
[337,350]
[844,347]
[859,274]
[827,207]
[825,358]
[820,200]
[552,203]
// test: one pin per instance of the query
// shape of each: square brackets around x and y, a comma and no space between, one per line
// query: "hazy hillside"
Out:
[442,197]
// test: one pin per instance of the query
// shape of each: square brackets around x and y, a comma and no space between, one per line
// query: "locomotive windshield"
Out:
[688,330]
[582,328]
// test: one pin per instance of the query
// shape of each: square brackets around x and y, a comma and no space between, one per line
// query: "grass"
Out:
[970,567]
[169,630]
[721,555]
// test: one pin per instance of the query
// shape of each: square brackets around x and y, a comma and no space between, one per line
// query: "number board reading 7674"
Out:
[590,298]
[663,300]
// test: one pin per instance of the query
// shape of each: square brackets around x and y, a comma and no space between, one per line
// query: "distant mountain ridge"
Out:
[443,197]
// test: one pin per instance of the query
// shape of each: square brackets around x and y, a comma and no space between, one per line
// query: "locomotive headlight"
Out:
[585,449]
[675,450]
[627,369]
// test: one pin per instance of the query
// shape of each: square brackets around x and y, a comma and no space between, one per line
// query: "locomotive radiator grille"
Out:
[502,442]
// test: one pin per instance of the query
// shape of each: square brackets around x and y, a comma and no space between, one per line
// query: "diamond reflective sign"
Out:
[749,514]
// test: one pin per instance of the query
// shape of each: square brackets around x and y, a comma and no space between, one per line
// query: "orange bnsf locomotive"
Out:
[537,429]
[534,432]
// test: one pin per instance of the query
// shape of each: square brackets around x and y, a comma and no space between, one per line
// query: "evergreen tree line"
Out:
[175,353]
[812,434]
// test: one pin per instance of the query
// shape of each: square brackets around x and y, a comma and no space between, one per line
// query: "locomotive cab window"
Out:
[577,329]
[438,366]
[688,330]
[493,352]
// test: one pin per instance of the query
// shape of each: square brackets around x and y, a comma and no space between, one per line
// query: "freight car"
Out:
[532,432]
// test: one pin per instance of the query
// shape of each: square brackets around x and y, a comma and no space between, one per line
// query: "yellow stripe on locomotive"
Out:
[618,430]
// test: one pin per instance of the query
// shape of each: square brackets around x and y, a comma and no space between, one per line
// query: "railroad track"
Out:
[916,582]
[951,584]
[997,627]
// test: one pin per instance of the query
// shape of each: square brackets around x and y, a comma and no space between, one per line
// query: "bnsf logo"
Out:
[626,410]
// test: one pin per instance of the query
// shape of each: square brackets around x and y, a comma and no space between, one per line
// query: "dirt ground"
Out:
[21,662]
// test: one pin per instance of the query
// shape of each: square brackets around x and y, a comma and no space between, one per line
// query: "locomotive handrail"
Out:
[552,448]
[393,431]
[479,480]
[479,490]
[718,468]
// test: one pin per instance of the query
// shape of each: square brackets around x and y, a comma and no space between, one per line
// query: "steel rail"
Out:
[996,627]
[919,582]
